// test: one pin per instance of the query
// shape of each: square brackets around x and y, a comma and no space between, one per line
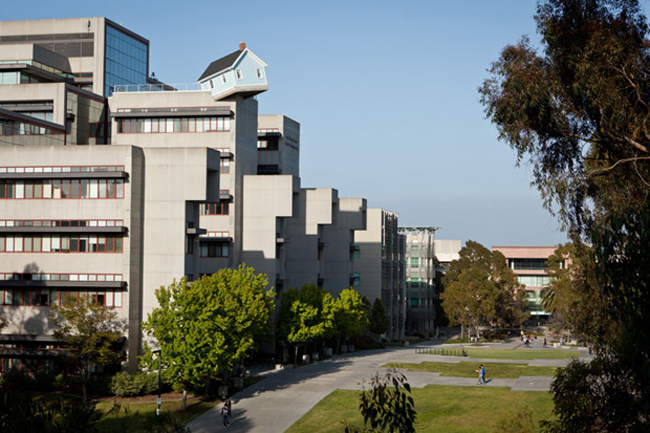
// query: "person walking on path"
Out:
[226,412]
[481,375]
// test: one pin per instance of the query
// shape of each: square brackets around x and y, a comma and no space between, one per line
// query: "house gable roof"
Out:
[221,64]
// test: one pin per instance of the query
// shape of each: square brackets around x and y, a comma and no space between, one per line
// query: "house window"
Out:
[223,78]
[260,73]
[211,84]
[240,74]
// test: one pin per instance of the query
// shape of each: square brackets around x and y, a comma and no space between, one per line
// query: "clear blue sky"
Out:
[385,92]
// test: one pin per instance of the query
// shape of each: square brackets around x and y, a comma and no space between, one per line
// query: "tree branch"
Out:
[620,161]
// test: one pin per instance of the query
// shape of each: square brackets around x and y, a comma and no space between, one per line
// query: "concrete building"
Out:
[113,184]
[529,263]
[420,278]
[379,267]
[446,251]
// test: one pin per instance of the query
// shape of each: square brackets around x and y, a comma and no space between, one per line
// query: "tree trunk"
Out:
[85,373]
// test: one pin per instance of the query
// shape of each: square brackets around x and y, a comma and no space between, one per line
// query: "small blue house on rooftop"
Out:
[240,72]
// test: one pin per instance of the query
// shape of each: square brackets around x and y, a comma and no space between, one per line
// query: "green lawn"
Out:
[521,353]
[494,370]
[137,414]
[440,409]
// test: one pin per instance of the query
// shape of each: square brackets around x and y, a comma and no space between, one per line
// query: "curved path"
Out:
[284,396]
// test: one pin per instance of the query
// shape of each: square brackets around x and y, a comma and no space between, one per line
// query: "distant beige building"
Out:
[530,265]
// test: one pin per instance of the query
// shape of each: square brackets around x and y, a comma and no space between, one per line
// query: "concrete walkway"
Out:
[284,396]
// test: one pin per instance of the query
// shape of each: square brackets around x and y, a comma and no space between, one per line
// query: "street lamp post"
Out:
[158,352]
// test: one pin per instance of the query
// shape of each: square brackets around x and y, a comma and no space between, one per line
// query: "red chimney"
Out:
[242,46]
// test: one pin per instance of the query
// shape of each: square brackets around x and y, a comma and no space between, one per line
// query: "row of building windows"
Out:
[60,244]
[12,127]
[17,276]
[528,264]
[534,280]
[218,208]
[215,249]
[61,223]
[44,297]
[223,109]
[167,125]
[65,188]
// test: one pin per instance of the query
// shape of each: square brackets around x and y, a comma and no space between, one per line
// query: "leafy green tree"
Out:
[572,295]
[305,314]
[350,317]
[481,290]
[578,111]
[386,405]
[90,333]
[206,328]
[378,318]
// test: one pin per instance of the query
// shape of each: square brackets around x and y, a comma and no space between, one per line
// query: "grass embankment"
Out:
[526,354]
[439,408]
[494,370]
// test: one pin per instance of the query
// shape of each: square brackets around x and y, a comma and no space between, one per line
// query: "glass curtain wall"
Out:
[127,60]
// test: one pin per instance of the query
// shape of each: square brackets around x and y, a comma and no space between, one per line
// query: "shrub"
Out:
[129,385]
[61,381]
[100,385]
[44,381]
[16,380]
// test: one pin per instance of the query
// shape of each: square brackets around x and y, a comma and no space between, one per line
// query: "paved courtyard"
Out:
[284,396]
